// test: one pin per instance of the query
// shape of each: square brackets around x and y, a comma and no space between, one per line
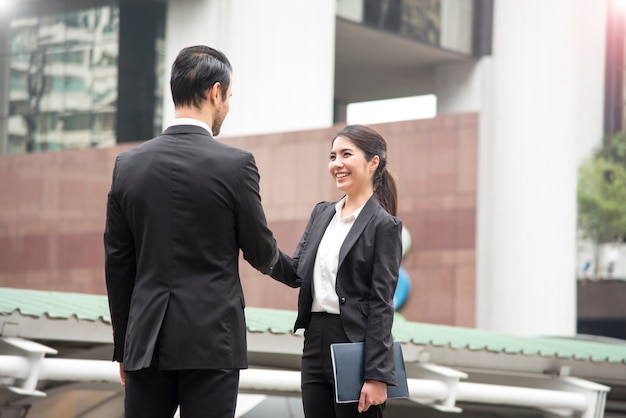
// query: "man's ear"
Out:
[214,94]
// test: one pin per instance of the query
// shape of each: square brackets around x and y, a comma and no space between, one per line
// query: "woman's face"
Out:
[353,174]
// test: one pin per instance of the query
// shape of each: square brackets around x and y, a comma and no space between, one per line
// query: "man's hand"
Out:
[122,374]
[373,392]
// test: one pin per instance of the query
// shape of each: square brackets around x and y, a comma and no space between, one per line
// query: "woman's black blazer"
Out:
[369,262]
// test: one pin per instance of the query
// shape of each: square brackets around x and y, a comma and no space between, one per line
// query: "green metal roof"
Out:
[63,305]
[57,305]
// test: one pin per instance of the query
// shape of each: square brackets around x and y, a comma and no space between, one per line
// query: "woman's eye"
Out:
[332,158]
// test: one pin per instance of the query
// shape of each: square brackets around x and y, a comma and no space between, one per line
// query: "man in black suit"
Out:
[180,208]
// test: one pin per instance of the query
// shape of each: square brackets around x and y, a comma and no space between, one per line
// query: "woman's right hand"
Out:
[373,392]
[122,374]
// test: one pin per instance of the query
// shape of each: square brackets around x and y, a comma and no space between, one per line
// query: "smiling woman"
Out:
[347,263]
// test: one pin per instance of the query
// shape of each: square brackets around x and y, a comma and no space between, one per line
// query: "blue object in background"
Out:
[402,290]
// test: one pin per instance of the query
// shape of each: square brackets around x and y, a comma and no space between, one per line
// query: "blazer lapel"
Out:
[359,226]
[305,267]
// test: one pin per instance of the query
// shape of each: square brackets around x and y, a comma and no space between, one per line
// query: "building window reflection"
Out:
[63,80]
[446,24]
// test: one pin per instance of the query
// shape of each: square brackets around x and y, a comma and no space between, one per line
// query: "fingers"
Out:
[364,404]
[122,375]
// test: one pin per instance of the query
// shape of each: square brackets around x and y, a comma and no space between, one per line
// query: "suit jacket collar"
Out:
[191,121]
[186,129]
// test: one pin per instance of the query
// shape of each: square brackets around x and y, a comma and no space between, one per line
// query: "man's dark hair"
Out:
[195,70]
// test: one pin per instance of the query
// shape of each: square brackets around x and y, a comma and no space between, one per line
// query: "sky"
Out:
[392,110]
[5,5]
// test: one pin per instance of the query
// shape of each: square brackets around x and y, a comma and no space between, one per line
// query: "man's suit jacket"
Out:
[180,208]
[367,275]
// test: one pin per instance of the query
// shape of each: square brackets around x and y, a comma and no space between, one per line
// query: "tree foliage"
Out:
[602,192]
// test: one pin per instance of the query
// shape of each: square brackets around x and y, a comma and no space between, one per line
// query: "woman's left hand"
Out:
[373,392]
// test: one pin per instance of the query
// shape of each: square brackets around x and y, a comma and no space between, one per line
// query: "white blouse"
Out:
[325,298]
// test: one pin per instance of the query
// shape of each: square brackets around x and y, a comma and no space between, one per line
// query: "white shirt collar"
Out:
[350,217]
[190,121]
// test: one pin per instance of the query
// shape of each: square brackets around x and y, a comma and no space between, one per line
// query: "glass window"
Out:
[445,24]
[63,80]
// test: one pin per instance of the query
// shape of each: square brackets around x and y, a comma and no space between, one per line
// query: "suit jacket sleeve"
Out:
[379,358]
[286,267]
[120,268]
[255,238]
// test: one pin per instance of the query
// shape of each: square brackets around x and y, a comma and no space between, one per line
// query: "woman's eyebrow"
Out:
[342,150]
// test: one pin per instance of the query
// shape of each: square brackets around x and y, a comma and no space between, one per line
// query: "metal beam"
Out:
[442,389]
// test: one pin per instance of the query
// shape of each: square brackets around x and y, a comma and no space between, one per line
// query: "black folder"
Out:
[348,360]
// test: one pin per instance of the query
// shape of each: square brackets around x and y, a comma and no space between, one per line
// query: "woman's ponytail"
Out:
[386,190]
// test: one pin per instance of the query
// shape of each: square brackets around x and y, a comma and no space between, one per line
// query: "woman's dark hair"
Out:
[194,71]
[372,143]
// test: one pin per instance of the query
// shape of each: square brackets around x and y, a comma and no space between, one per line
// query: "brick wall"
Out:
[52,210]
